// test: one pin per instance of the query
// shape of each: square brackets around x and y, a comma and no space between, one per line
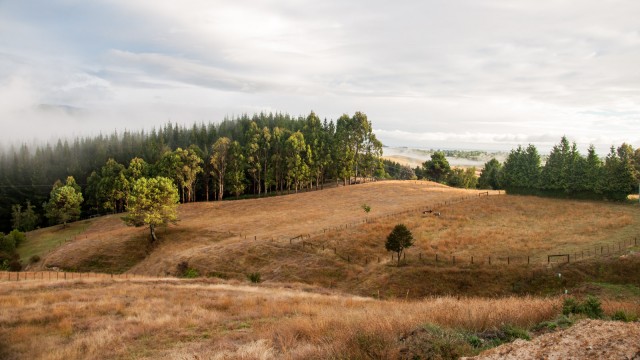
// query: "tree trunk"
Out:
[152,228]
[220,187]
[206,188]
[399,252]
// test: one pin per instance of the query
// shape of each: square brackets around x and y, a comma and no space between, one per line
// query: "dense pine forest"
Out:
[258,155]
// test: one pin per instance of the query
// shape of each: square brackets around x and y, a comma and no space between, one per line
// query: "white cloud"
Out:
[489,73]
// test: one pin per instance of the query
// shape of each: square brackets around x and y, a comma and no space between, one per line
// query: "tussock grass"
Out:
[105,319]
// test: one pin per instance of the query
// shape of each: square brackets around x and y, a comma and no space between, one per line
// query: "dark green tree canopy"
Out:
[398,240]
[569,174]
[437,168]
[491,175]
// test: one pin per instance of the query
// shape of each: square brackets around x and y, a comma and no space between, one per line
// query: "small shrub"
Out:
[34,259]
[570,306]
[562,322]
[513,333]
[591,307]
[366,208]
[254,277]
[621,315]
[475,341]
[191,273]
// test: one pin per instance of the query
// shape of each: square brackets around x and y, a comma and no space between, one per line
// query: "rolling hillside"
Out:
[324,238]
[329,288]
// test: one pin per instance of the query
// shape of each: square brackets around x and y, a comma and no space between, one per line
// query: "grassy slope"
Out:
[42,241]
[217,239]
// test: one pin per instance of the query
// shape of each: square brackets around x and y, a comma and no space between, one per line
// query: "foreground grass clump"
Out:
[169,318]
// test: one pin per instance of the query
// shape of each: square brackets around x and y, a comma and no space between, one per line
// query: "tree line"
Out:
[258,155]
[565,173]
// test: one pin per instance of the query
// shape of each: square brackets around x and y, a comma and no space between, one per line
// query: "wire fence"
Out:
[596,251]
[66,275]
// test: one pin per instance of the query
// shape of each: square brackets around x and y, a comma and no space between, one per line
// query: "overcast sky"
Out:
[485,74]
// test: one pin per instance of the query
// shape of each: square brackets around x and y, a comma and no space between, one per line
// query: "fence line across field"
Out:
[434,259]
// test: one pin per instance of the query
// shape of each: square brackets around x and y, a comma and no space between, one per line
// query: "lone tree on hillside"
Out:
[398,240]
[64,202]
[152,202]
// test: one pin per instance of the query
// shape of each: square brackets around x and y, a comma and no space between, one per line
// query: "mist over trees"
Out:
[257,155]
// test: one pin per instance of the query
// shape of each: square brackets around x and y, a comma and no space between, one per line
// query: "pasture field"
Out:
[211,319]
[234,238]
[169,318]
[329,289]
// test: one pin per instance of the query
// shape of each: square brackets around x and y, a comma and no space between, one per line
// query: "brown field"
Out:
[337,295]
[234,238]
[180,319]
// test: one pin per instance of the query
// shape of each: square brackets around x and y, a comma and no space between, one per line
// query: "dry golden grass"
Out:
[227,227]
[156,319]
[501,226]
[217,239]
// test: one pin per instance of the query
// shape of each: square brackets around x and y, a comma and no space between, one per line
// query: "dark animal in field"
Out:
[427,212]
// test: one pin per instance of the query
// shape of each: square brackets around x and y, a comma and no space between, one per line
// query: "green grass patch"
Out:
[42,241]
[618,291]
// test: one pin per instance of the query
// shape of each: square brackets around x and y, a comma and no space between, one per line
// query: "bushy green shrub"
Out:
[34,259]
[591,307]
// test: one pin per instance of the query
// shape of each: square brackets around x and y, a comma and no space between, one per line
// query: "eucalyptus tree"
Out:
[152,202]
[219,162]
[64,202]
[297,155]
[234,176]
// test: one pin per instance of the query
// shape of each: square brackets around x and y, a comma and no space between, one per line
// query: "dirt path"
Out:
[588,339]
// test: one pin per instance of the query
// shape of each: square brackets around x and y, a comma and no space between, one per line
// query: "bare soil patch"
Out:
[588,339]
